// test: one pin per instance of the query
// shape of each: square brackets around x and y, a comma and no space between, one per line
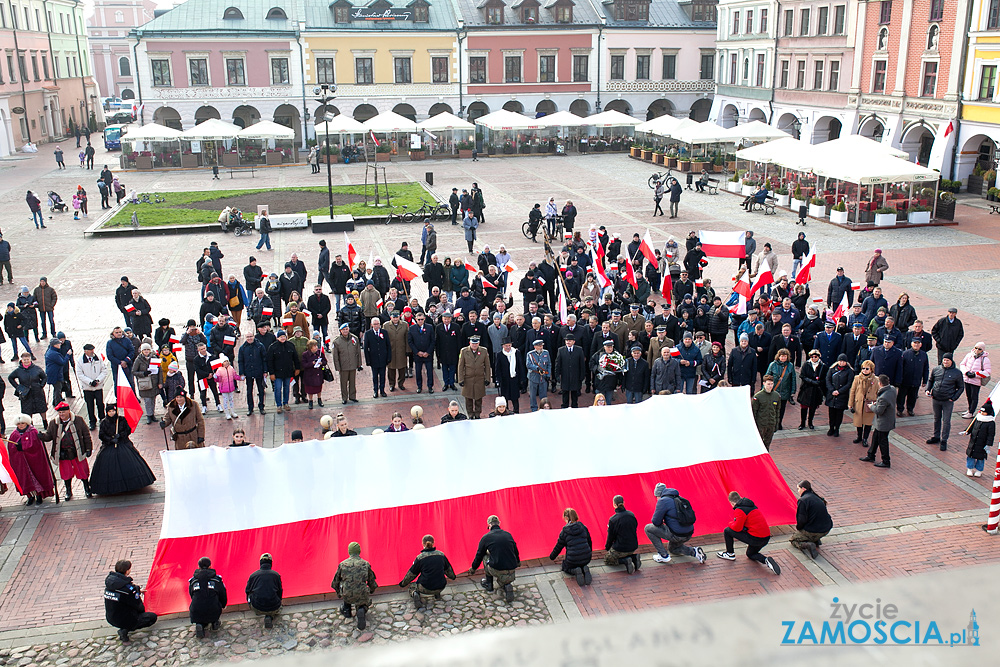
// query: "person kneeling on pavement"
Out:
[575,539]
[264,591]
[812,520]
[123,605]
[499,550]
[426,577]
[208,597]
[354,582]
[673,520]
[750,527]
[622,542]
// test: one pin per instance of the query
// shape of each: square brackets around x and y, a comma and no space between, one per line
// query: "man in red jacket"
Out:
[750,527]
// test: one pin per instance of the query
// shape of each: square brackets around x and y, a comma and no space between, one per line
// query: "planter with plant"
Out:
[382,152]
[817,207]
[945,206]
[781,196]
[919,215]
[747,187]
[989,180]
[885,216]
[635,151]
[684,164]
[838,213]
[974,182]
[798,200]
[465,149]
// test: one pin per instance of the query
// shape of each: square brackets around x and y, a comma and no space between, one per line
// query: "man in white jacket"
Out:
[91,372]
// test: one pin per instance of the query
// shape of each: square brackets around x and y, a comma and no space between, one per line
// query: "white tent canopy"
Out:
[151,132]
[390,121]
[340,124]
[860,146]
[213,128]
[787,152]
[755,130]
[612,118]
[661,125]
[266,129]
[871,170]
[561,119]
[508,120]
[445,121]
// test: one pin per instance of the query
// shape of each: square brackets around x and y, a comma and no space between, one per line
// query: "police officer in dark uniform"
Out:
[208,597]
[429,569]
[499,550]
[123,605]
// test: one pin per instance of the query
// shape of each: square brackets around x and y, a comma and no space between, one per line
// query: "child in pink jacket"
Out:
[226,377]
[76,207]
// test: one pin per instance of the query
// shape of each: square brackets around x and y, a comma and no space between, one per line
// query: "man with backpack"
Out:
[673,520]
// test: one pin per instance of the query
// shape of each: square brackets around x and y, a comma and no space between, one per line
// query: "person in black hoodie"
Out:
[208,597]
[622,542]
[123,605]
[429,569]
[264,591]
[812,520]
[575,539]
[499,550]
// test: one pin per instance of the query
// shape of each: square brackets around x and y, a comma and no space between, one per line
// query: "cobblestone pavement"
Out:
[53,560]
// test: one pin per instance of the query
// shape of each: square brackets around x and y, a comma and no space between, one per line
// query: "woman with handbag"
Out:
[315,371]
[237,299]
[147,380]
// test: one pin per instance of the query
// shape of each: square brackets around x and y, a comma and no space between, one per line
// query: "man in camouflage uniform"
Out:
[765,404]
[429,569]
[499,550]
[354,583]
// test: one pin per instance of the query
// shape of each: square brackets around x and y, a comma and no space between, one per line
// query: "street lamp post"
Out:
[325,93]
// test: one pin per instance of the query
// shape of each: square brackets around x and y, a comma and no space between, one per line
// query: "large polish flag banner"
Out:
[723,244]
[305,502]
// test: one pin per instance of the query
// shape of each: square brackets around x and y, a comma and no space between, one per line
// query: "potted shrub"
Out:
[919,215]
[731,162]
[647,153]
[635,151]
[600,146]
[991,194]
[734,184]
[684,164]
[838,213]
[658,156]
[817,207]
[189,159]
[672,159]
[465,149]
[417,154]
[382,152]
[885,216]
[798,200]
[945,206]
[974,183]
[524,149]
[781,196]
[330,153]
[748,187]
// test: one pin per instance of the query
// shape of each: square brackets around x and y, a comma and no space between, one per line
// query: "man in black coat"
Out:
[787,341]
[283,363]
[319,305]
[208,597]
[447,345]
[203,371]
[253,367]
[852,343]
[499,551]
[916,368]
[323,263]
[741,369]
[340,273]
[123,607]
[378,352]
[760,341]
[420,338]
[434,273]
[839,286]
[123,297]
[812,520]
[622,541]
[510,373]
[948,333]
[570,370]
[289,282]
[636,381]
[454,202]
[264,591]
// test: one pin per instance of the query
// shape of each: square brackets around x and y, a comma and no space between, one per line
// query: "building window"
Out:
[929,80]
[760,70]
[993,15]
[161,72]
[529,14]
[878,81]
[279,72]
[834,74]
[632,10]
[512,69]
[839,19]
[55,67]
[235,72]
[818,76]
[749,22]
[784,74]
[119,17]
[342,14]
[823,23]
[641,67]
[617,68]
[707,67]
[494,15]
[789,22]
[732,69]
[325,71]
[403,71]
[937,10]
[736,23]
[746,70]
[546,69]
[439,69]
[11,72]
[276,14]
[45,66]
[882,43]
[702,11]
[804,22]
[885,12]
[124,67]
[199,71]
[987,82]
[232,13]
[477,69]
[670,66]
[34,67]
[800,74]
[581,68]
[564,14]
[763,20]
[363,71]
[933,33]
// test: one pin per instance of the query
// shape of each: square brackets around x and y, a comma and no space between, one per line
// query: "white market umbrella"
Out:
[266,129]
[445,121]
[503,119]
[611,118]
[561,119]
[151,132]
[213,128]
[390,121]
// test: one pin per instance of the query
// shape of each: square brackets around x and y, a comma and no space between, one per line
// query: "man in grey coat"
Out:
[885,420]
[665,374]
[945,386]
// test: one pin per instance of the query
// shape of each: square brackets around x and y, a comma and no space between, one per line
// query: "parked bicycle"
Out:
[401,217]
[436,211]
[657,176]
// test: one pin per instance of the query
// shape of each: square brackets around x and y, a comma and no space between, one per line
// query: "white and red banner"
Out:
[7,475]
[266,312]
[804,274]
[174,338]
[128,403]
[646,248]
[351,252]
[216,363]
[178,348]
[306,522]
[842,308]
[406,269]
[724,244]
[630,275]
[229,340]
[765,277]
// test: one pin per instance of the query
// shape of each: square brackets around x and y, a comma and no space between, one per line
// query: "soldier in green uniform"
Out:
[766,404]
[426,577]
[354,583]
[473,376]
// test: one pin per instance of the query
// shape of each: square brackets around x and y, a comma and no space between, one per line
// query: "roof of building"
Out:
[209,16]
[662,14]
[320,15]
[474,13]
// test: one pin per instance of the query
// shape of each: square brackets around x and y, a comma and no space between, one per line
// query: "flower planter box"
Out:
[733,186]
[189,160]
[885,219]
[332,159]
[658,158]
[465,154]
[647,155]
[382,157]
[635,152]
[671,163]
[817,210]
[747,190]
[272,157]
[683,167]
[782,200]
[696,167]
[144,162]
[718,168]
[417,155]
[919,217]
[796,204]
[731,165]
[838,217]
[945,210]
[230,160]
[600,148]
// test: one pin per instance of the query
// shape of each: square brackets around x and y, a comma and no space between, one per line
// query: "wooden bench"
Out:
[712,186]
[767,205]
[249,168]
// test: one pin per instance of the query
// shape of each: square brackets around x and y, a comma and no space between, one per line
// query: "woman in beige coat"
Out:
[864,390]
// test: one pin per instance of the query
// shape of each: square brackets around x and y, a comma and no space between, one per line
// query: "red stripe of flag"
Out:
[216,363]
[174,339]
[229,340]
[128,404]
[129,308]
[203,383]
[267,312]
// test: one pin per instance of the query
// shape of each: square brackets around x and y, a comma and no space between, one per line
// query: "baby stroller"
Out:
[56,204]
[238,224]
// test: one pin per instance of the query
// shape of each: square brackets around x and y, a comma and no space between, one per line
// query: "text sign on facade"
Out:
[361,14]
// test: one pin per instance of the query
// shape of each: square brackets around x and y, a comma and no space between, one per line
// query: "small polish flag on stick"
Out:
[487,283]
[509,267]
[763,278]
[841,310]
[203,383]
[855,287]
[229,340]
[674,352]
[541,281]
[379,304]
[646,247]
[267,312]
[307,313]
[129,308]
[128,404]
[808,264]
[154,362]
[327,340]
[699,283]
[174,338]
[216,363]
[178,348]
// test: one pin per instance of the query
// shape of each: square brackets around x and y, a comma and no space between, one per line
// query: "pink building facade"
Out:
[111,49]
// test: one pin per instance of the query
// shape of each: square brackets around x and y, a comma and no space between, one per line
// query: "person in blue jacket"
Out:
[120,353]
[689,360]
[55,366]
[666,525]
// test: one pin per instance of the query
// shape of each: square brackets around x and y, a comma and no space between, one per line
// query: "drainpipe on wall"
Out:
[302,67]
[83,77]
[24,96]
[48,30]
[138,78]
[460,36]
[961,89]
